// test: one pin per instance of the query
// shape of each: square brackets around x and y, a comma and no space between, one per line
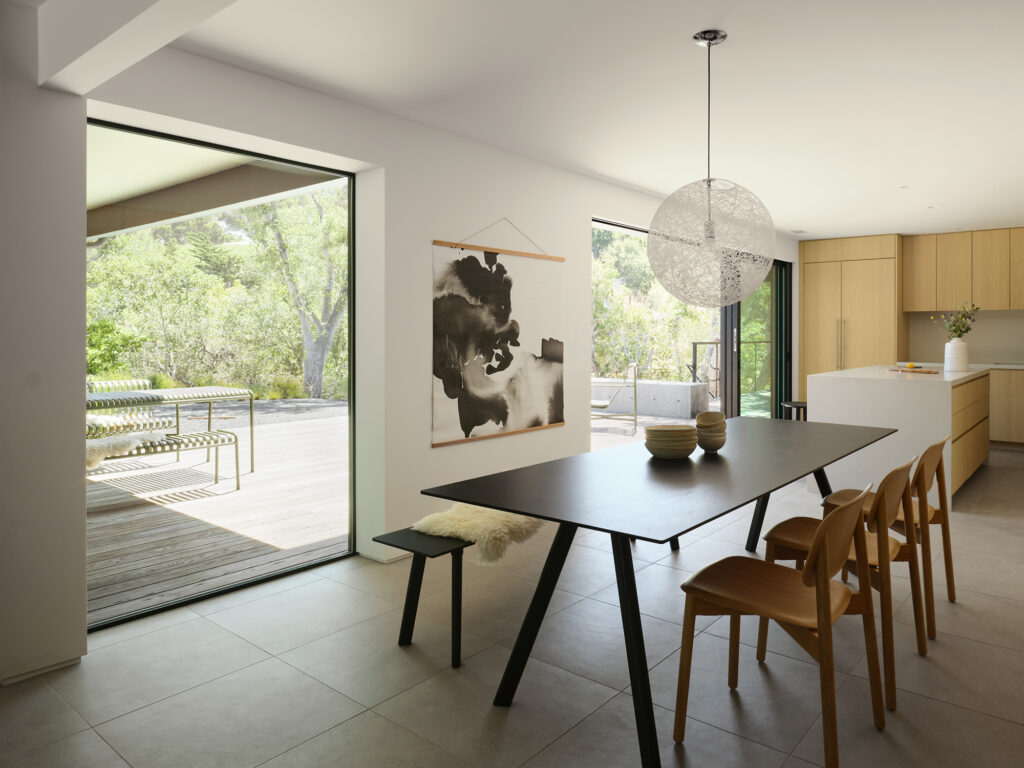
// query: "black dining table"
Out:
[627,493]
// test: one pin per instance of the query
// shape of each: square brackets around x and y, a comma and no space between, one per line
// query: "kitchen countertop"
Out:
[882,373]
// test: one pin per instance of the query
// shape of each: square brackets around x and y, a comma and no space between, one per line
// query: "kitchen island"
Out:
[923,407]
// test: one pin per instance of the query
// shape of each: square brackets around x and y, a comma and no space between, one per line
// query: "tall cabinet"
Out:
[851,312]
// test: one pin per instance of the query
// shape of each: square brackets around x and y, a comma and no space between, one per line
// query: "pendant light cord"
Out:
[709,113]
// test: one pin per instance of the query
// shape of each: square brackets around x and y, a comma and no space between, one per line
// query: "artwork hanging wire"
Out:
[497,342]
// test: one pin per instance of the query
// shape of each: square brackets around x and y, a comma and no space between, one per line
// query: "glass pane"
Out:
[757,350]
[635,320]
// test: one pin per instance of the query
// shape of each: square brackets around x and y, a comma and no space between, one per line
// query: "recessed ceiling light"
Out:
[931,206]
[904,186]
[798,231]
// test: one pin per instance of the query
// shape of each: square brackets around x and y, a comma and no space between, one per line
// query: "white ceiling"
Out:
[122,165]
[844,117]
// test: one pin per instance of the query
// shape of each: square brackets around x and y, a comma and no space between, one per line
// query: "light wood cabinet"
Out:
[971,424]
[820,317]
[1007,404]
[1017,268]
[953,269]
[919,273]
[868,323]
[990,273]
[850,308]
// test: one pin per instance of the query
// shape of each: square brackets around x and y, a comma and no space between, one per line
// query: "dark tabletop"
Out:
[625,490]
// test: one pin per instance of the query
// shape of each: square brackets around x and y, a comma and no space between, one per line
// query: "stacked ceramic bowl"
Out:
[711,431]
[671,441]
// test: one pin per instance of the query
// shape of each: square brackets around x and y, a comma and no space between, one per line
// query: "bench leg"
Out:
[177,428]
[673,543]
[457,608]
[216,463]
[238,470]
[209,423]
[412,599]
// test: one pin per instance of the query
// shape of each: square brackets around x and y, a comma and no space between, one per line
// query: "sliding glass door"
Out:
[756,355]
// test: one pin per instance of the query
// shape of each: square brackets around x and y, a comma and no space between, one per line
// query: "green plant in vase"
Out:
[958,324]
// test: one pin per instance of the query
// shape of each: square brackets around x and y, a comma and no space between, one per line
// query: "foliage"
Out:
[959,322]
[106,347]
[227,298]
[635,319]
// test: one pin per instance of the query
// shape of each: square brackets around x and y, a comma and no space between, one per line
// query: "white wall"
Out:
[997,337]
[42,327]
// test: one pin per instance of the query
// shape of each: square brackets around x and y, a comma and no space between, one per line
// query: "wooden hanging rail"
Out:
[527,254]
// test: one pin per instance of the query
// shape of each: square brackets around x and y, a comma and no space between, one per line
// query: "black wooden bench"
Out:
[422,546]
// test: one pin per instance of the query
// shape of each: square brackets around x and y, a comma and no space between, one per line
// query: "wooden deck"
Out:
[161,531]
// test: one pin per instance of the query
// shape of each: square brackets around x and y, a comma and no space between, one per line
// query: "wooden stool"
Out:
[422,546]
[796,409]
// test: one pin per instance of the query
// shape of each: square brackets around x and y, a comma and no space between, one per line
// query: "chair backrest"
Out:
[832,538]
[630,374]
[886,504]
[928,467]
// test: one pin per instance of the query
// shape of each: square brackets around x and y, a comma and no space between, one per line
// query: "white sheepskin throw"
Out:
[100,448]
[491,530]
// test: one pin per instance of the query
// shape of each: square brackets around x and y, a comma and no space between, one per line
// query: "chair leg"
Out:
[926,570]
[874,675]
[762,622]
[734,649]
[888,649]
[827,675]
[685,660]
[917,601]
[947,558]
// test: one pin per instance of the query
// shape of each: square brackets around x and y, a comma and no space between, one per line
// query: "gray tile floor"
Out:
[305,670]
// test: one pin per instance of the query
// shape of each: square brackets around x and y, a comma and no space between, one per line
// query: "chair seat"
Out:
[843,496]
[748,585]
[797,533]
[599,405]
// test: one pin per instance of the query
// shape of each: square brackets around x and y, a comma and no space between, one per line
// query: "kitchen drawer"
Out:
[969,453]
[970,392]
[967,417]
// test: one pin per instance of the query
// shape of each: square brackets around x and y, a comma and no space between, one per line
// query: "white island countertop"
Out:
[883,373]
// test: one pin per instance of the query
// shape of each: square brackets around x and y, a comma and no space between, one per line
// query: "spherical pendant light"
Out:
[712,242]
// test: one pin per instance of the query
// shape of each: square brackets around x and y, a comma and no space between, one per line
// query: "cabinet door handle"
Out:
[837,344]
[843,360]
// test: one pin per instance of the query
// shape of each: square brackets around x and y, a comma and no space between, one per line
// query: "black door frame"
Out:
[782,307]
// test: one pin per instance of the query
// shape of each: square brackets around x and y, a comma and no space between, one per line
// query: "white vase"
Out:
[956,356]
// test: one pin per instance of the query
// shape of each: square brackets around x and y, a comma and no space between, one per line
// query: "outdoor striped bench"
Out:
[191,441]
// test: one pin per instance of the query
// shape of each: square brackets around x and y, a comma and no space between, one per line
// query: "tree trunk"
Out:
[313,366]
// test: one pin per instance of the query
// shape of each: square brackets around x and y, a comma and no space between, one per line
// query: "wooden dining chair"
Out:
[791,540]
[804,603]
[930,468]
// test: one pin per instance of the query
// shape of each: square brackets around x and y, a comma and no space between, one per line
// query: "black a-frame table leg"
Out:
[535,614]
[756,522]
[636,653]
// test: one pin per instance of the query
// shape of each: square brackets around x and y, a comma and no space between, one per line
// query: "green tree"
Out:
[305,240]
[106,347]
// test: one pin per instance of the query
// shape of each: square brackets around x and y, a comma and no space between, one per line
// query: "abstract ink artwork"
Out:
[498,354]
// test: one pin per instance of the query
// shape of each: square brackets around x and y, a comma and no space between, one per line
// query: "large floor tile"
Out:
[366,741]
[963,672]
[585,572]
[136,672]
[993,620]
[494,605]
[104,637]
[659,594]
[286,620]
[390,581]
[586,638]
[32,715]
[774,704]
[237,721]
[704,552]
[921,732]
[608,738]
[255,592]
[454,709]
[366,664]
[82,750]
